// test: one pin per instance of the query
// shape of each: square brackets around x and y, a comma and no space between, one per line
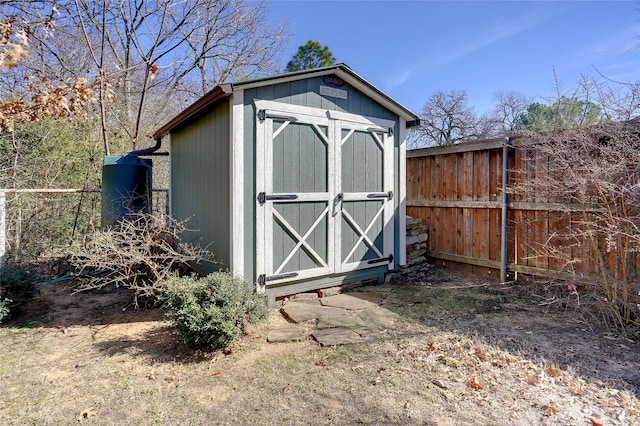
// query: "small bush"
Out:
[17,286]
[213,310]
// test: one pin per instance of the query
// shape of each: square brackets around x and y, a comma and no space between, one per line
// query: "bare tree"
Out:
[150,58]
[508,107]
[446,119]
[28,96]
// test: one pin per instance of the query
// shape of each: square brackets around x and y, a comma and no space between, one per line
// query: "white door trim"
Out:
[381,130]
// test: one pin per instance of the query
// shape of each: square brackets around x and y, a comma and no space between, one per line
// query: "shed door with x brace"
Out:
[324,184]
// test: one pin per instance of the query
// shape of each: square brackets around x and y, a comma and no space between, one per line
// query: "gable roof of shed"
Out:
[223,91]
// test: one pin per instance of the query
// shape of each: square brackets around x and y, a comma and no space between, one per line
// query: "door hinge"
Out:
[388,259]
[263,115]
[388,195]
[263,197]
[263,279]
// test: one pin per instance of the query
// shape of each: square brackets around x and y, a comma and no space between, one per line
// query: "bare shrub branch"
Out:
[140,253]
[594,173]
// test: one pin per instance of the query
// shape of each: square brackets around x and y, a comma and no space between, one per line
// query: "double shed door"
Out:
[324,183]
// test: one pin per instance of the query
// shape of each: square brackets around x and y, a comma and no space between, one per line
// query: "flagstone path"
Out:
[333,320]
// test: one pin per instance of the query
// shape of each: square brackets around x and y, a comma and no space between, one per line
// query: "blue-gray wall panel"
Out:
[304,92]
[200,186]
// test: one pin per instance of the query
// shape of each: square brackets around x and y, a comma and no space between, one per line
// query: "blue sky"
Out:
[410,49]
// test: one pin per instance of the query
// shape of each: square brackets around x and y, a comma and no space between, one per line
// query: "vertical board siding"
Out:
[365,166]
[200,173]
[300,159]
[307,172]
[459,193]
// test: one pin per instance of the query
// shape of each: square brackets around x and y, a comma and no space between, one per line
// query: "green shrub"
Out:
[17,286]
[213,310]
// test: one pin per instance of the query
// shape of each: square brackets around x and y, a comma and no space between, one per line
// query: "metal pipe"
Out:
[505,210]
[150,150]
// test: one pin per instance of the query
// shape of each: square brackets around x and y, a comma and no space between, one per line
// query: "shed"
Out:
[295,181]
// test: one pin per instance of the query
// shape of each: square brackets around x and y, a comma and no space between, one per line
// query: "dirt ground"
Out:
[460,351]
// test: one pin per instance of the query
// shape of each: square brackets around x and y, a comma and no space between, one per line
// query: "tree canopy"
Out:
[143,60]
[311,55]
[447,119]
[565,113]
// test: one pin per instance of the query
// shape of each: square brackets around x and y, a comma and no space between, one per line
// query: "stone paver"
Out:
[346,301]
[378,316]
[301,312]
[334,320]
[336,336]
[336,317]
[285,333]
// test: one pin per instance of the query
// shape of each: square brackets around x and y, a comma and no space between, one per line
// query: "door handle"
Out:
[337,202]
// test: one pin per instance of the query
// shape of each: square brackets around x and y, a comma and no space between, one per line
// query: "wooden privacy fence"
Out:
[458,191]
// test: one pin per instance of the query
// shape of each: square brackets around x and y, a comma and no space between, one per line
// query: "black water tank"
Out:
[126,187]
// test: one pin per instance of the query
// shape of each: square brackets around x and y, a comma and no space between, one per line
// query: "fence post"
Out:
[3,224]
[505,208]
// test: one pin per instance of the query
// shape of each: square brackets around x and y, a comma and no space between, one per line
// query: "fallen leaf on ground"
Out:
[216,374]
[533,380]
[480,354]
[440,384]
[553,372]
[474,385]
[85,414]
[595,422]
[550,411]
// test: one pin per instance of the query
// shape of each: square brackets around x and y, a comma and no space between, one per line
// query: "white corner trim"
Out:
[402,187]
[167,142]
[237,183]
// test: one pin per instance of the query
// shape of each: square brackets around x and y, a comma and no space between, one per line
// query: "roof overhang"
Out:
[212,98]
[346,74]
[342,71]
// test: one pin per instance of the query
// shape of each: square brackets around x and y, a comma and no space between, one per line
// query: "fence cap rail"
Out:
[471,146]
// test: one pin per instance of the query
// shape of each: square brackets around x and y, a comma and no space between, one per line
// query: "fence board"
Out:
[459,196]
[458,193]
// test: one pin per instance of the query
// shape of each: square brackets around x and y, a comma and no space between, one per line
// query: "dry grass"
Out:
[457,354]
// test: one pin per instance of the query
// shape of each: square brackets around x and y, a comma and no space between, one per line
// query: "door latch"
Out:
[338,201]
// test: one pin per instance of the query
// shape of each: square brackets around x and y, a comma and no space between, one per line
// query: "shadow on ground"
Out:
[58,306]
[509,317]
[513,317]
